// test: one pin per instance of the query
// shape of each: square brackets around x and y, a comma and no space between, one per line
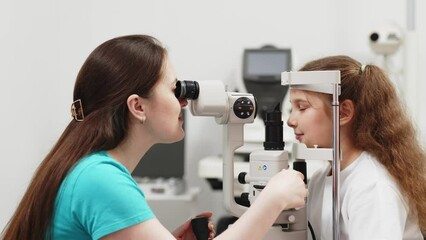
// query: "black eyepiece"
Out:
[274,130]
[187,89]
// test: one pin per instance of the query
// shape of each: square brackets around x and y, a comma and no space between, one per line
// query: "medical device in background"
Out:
[385,40]
[261,76]
[262,69]
[233,110]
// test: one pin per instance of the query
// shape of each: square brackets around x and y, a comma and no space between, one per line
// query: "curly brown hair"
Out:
[381,126]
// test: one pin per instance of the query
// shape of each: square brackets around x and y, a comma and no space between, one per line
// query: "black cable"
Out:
[312,230]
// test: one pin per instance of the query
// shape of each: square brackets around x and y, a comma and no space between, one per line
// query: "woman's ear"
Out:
[347,112]
[136,107]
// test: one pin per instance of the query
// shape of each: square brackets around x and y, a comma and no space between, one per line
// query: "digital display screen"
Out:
[269,63]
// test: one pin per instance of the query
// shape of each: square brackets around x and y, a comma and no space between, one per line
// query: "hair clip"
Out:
[77,110]
[362,69]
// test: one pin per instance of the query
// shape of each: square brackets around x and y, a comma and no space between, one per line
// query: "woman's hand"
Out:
[185,232]
[286,189]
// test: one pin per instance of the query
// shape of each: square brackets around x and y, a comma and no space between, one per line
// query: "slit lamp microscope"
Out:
[233,110]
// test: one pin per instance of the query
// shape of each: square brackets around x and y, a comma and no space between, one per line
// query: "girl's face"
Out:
[310,118]
[164,111]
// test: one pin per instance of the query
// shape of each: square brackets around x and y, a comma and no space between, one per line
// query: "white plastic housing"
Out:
[317,81]
[212,99]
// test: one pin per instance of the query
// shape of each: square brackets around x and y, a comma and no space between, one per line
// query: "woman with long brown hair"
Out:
[124,103]
[383,175]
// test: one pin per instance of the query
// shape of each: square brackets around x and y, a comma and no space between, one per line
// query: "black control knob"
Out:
[243,107]
[259,187]
[242,177]
[245,196]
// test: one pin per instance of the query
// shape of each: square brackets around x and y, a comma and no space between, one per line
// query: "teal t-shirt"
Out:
[98,197]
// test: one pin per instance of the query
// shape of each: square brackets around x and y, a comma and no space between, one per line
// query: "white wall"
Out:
[44,43]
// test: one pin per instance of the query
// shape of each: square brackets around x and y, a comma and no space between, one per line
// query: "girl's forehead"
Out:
[299,94]
[306,93]
[313,98]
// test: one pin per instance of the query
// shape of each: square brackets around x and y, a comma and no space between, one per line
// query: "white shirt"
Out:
[372,206]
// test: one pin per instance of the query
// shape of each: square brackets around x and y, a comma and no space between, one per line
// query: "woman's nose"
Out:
[183,102]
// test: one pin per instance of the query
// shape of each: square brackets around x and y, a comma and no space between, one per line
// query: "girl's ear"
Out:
[347,112]
[136,106]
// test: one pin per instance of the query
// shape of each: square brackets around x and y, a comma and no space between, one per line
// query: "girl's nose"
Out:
[291,122]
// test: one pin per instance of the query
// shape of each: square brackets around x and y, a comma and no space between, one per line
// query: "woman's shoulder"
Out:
[97,169]
[98,162]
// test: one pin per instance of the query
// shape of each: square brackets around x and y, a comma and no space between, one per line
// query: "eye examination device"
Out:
[233,110]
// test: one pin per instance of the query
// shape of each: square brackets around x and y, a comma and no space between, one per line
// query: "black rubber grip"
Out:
[200,227]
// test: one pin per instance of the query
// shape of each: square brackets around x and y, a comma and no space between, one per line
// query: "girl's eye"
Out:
[302,107]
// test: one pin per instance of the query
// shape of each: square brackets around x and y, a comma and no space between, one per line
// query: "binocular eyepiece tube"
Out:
[187,89]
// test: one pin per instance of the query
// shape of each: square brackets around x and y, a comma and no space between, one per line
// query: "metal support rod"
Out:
[336,163]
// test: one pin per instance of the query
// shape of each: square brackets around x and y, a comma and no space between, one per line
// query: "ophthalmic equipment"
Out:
[233,110]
